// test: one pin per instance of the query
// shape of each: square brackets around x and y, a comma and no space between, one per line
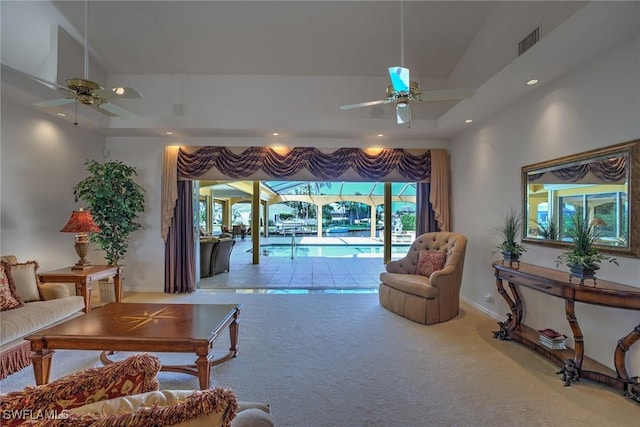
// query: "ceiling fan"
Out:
[87,92]
[402,90]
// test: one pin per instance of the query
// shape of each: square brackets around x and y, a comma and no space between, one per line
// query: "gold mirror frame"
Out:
[631,150]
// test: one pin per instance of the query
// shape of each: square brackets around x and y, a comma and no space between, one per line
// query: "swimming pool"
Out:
[332,251]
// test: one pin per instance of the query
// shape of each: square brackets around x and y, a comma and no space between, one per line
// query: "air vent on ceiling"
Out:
[526,43]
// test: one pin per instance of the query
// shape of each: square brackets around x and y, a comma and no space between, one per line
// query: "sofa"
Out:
[125,393]
[215,255]
[28,306]
[424,285]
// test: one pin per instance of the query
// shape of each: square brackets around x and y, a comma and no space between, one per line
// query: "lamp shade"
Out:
[81,221]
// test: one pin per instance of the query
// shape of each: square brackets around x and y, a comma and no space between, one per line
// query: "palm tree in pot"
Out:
[583,259]
[508,231]
[115,201]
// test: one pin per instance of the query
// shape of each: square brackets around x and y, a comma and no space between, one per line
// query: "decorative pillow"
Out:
[430,261]
[24,277]
[213,407]
[9,299]
[51,291]
[133,375]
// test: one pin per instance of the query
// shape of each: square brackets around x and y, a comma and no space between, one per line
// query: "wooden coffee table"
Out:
[177,328]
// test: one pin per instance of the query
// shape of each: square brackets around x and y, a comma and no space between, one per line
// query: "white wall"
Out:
[596,105]
[41,161]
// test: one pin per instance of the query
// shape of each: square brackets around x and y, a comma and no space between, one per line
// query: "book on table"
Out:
[552,339]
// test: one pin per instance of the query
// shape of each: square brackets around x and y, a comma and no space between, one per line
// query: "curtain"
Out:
[440,189]
[179,252]
[425,218]
[169,189]
[612,170]
[304,164]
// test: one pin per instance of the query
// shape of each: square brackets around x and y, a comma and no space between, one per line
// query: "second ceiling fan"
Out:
[403,91]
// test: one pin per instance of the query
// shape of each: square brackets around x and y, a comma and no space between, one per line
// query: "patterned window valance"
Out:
[611,170]
[262,163]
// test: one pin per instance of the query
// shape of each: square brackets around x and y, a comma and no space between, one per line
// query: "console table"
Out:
[83,280]
[574,363]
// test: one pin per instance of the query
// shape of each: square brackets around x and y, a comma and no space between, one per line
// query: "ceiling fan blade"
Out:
[366,104]
[55,102]
[446,94]
[403,113]
[400,79]
[113,110]
[118,92]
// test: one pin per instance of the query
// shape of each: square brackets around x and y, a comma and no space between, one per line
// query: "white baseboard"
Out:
[482,309]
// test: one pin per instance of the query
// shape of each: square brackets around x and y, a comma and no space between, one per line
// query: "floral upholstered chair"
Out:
[125,393]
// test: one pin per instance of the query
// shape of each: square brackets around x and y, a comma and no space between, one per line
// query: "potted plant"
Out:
[508,231]
[583,259]
[115,201]
[548,230]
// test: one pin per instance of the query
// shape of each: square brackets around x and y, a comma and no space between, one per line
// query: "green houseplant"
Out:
[115,201]
[508,231]
[583,259]
[548,230]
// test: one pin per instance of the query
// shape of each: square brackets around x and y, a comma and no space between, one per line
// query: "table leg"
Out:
[83,288]
[204,371]
[233,335]
[41,360]
[117,286]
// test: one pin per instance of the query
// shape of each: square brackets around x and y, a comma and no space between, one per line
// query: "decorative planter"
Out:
[511,258]
[583,273]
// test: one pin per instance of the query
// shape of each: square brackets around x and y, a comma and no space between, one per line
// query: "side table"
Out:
[83,280]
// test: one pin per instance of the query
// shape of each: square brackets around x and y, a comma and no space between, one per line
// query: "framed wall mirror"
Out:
[602,186]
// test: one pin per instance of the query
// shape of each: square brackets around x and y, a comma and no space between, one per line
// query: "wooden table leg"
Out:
[204,371]
[83,288]
[233,335]
[117,285]
[41,360]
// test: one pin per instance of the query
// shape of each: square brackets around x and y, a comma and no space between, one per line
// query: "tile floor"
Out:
[299,275]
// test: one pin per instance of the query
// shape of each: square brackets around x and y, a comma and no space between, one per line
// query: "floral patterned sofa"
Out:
[125,393]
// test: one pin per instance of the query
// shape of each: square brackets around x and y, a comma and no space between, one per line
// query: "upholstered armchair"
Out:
[424,286]
[125,393]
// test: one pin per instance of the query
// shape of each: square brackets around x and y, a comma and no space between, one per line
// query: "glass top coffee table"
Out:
[176,328]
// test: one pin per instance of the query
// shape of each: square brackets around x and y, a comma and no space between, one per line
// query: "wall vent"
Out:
[526,43]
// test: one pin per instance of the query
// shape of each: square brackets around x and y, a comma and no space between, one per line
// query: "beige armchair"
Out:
[426,295]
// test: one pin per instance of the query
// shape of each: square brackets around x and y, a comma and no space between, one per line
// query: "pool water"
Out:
[332,251]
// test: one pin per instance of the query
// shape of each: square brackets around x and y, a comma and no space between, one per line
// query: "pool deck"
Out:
[301,274]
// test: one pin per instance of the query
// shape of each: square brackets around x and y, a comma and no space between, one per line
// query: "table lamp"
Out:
[81,222]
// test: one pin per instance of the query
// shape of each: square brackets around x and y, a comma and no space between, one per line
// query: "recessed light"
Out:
[532,82]
[468,121]
[380,134]
[275,134]
[169,133]
[61,114]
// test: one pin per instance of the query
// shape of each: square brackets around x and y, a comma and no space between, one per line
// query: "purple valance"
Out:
[607,170]
[320,165]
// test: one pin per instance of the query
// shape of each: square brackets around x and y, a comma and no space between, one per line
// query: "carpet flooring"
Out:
[324,360]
